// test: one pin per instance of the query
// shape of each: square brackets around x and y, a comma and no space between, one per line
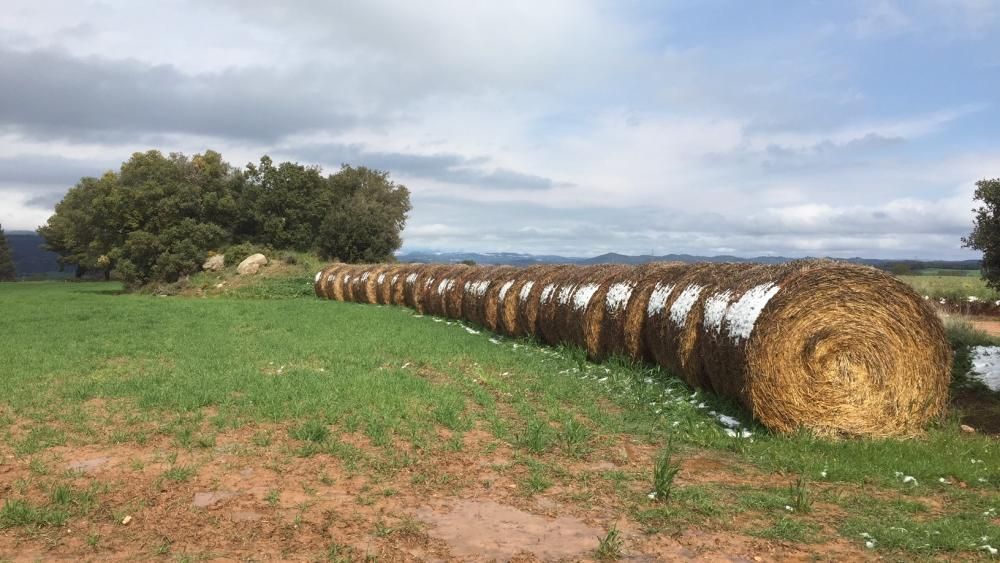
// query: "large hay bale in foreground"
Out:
[837,349]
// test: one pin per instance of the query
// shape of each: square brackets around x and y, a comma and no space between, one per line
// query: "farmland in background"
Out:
[953,287]
[245,417]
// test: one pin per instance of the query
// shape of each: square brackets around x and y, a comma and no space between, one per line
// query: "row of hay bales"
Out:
[838,349]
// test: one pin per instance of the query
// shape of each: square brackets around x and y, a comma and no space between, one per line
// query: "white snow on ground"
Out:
[658,299]
[504,289]
[525,291]
[742,315]
[682,305]
[618,296]
[986,365]
[583,295]
[729,421]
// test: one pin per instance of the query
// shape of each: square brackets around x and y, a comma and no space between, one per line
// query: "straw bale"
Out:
[435,302]
[594,311]
[554,300]
[502,279]
[384,285]
[509,301]
[324,278]
[625,335]
[454,292]
[837,349]
[474,288]
[532,297]
[340,286]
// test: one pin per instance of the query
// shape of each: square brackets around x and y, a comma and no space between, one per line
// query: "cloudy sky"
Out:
[564,126]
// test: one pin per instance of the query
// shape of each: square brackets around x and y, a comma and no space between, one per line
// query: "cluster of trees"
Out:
[7,271]
[158,217]
[985,235]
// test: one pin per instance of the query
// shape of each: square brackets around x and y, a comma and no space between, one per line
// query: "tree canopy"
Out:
[7,271]
[985,235]
[158,216]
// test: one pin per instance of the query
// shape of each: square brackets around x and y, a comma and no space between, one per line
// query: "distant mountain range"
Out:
[515,259]
[31,260]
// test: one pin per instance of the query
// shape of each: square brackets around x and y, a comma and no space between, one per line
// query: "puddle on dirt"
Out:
[88,465]
[486,530]
[211,498]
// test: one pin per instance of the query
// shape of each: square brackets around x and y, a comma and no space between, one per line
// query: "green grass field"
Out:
[953,288]
[387,409]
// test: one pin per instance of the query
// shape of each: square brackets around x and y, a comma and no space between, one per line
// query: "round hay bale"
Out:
[626,325]
[385,283]
[425,286]
[503,279]
[596,310]
[838,349]
[510,300]
[398,281]
[341,283]
[413,272]
[354,290]
[436,289]
[553,300]
[474,291]
[369,283]
[455,290]
[323,278]
[531,297]
[671,331]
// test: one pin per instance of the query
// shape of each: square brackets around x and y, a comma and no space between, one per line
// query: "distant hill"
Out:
[30,259]
[515,259]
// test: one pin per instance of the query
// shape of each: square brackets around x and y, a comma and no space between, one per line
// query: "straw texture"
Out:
[837,349]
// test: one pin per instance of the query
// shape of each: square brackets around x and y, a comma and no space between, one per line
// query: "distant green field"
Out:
[82,366]
[955,288]
[946,272]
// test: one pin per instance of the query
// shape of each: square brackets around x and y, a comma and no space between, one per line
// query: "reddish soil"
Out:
[245,501]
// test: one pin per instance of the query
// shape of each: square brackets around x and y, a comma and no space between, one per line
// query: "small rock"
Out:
[214,263]
[126,520]
[251,265]
[967,429]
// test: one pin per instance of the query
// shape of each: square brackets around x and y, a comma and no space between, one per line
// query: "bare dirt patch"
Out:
[485,530]
[245,498]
